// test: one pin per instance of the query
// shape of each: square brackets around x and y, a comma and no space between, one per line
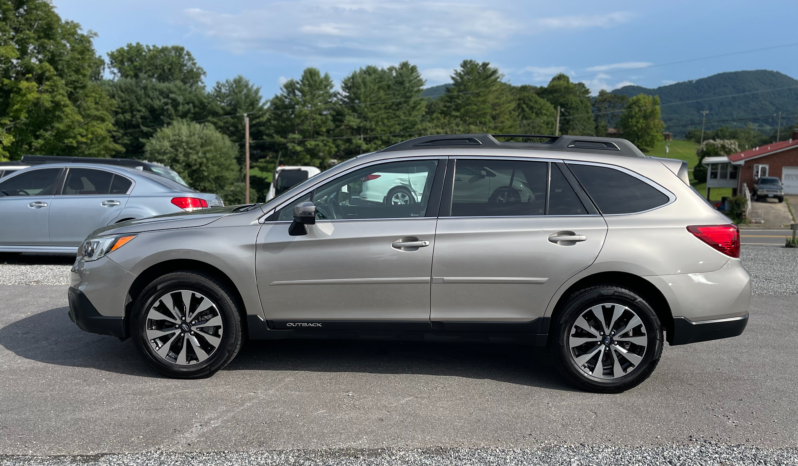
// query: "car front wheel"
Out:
[607,339]
[187,325]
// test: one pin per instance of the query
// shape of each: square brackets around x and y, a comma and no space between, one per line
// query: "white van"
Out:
[286,177]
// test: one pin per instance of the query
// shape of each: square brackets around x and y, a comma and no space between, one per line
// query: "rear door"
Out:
[502,252]
[90,199]
[351,270]
[25,202]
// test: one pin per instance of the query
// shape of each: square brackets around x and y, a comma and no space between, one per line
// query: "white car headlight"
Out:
[95,248]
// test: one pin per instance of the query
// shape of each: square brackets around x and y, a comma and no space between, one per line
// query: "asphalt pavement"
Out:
[67,392]
[764,237]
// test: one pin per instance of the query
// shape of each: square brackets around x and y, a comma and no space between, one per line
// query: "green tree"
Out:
[573,99]
[407,106]
[478,100]
[203,156]
[363,110]
[607,108]
[712,148]
[301,122]
[50,100]
[640,122]
[536,115]
[230,100]
[171,63]
[144,106]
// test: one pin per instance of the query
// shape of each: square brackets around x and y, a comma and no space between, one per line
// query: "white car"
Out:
[407,188]
[286,177]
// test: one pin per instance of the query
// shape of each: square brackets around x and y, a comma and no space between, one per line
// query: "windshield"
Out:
[168,173]
[774,181]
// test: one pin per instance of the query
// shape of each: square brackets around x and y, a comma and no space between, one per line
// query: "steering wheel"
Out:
[20,191]
[335,207]
[505,195]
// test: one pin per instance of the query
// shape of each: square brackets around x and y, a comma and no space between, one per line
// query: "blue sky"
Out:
[605,44]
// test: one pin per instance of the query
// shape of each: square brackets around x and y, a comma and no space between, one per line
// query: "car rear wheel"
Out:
[607,339]
[399,196]
[187,325]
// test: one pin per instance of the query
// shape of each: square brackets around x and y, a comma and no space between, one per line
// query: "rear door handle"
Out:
[37,204]
[110,203]
[566,238]
[409,244]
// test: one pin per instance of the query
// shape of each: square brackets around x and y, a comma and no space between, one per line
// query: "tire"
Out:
[781,199]
[400,196]
[211,303]
[625,362]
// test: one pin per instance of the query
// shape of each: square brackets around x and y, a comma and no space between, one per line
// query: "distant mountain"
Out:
[435,91]
[754,101]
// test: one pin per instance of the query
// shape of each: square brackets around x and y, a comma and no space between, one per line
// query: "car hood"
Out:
[193,219]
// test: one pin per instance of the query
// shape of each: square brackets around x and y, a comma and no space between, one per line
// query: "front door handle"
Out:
[37,204]
[110,203]
[409,244]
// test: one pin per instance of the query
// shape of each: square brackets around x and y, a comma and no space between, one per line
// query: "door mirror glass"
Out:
[304,214]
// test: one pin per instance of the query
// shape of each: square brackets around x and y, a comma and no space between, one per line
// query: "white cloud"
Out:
[668,82]
[630,65]
[355,30]
[544,74]
[600,82]
[435,76]
[282,80]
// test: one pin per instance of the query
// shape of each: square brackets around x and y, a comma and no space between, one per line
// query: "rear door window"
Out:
[562,197]
[498,188]
[120,185]
[615,192]
[85,181]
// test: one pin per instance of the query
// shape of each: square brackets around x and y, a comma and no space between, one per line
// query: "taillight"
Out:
[724,238]
[190,203]
[370,177]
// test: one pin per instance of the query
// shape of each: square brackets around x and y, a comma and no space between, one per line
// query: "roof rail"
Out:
[43,159]
[609,146]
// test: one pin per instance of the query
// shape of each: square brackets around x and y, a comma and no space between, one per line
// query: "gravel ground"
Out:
[699,454]
[774,270]
[35,269]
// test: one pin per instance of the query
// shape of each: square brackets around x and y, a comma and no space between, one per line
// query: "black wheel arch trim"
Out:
[83,313]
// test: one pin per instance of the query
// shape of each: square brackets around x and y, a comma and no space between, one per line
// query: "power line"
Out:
[691,60]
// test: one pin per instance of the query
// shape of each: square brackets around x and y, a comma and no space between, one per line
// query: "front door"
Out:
[499,258]
[351,270]
[25,201]
[91,199]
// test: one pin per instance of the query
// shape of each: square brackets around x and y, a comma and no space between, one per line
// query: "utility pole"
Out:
[703,112]
[778,131]
[557,128]
[246,151]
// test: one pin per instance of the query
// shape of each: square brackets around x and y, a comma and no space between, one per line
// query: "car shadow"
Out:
[51,338]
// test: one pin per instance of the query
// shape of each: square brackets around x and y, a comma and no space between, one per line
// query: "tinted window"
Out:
[84,181]
[562,198]
[120,185]
[287,179]
[615,192]
[499,188]
[32,183]
[771,181]
[389,190]
[6,173]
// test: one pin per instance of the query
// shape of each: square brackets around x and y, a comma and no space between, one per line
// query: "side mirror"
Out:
[304,214]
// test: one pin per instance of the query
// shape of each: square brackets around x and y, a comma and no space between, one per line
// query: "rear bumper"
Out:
[83,313]
[686,331]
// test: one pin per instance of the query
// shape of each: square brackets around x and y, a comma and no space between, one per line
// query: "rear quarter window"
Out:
[616,192]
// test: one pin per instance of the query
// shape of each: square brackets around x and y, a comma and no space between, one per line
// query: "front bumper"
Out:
[85,315]
[686,331]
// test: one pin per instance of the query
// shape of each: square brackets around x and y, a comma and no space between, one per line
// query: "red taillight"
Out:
[190,203]
[724,238]
[370,177]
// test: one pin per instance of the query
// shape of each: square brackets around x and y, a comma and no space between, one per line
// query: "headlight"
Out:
[95,248]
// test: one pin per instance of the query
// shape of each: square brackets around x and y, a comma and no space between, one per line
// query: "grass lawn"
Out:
[682,150]
[685,150]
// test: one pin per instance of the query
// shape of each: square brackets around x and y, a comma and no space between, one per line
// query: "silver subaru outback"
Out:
[580,244]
